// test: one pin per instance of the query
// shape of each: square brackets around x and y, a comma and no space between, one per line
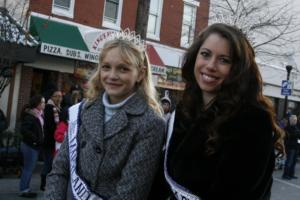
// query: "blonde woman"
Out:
[115,152]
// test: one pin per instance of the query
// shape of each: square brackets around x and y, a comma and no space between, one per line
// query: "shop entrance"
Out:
[43,81]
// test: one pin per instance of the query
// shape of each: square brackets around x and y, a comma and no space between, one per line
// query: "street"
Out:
[286,190]
[281,190]
[9,185]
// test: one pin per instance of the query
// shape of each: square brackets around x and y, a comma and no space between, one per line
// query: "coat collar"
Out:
[134,106]
[93,114]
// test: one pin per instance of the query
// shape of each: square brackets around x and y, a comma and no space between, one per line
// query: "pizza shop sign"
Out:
[56,50]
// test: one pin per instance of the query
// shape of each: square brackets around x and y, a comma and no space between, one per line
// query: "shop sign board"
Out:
[173,85]
[56,50]
[172,80]
[100,40]
[158,70]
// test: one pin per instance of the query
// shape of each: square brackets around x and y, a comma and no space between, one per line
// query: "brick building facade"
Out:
[90,13]
[62,25]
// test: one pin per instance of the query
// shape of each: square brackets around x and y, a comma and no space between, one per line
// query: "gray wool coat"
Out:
[118,159]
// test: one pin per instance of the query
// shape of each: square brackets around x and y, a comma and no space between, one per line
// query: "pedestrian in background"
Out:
[224,134]
[166,105]
[116,150]
[74,96]
[51,113]
[292,147]
[61,129]
[32,123]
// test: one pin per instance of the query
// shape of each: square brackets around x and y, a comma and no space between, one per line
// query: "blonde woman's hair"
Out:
[131,54]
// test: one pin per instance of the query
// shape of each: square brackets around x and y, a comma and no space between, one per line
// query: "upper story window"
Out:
[188,22]
[112,14]
[154,19]
[63,7]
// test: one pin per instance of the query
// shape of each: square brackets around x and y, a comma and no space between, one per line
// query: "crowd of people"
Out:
[43,128]
[122,142]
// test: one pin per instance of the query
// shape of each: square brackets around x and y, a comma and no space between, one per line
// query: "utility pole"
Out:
[141,21]
[288,69]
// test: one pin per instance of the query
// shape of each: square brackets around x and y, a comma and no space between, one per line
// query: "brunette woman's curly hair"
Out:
[243,85]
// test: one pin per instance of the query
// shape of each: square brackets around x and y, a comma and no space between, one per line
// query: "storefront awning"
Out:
[157,65]
[60,39]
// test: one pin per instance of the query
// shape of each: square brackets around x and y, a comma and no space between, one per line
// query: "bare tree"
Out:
[271,26]
[15,43]
[17,9]
[142,18]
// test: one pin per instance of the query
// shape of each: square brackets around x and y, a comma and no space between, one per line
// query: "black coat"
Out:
[242,167]
[32,130]
[292,137]
[49,127]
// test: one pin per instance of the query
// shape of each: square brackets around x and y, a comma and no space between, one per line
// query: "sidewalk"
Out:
[281,190]
[286,189]
[9,185]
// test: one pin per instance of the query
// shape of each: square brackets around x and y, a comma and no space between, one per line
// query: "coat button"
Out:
[98,150]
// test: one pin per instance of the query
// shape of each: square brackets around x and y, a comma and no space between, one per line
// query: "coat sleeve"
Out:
[139,171]
[27,129]
[60,131]
[58,178]
[49,118]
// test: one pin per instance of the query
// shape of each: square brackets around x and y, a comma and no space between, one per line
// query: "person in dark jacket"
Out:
[74,96]
[32,123]
[51,113]
[291,146]
[225,131]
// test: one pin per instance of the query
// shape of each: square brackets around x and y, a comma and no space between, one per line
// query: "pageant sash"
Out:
[80,190]
[179,191]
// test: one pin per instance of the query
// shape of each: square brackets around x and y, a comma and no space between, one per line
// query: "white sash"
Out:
[179,191]
[80,190]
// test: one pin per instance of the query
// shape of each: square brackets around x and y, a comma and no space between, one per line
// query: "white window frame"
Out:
[156,35]
[64,12]
[192,2]
[195,4]
[117,25]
